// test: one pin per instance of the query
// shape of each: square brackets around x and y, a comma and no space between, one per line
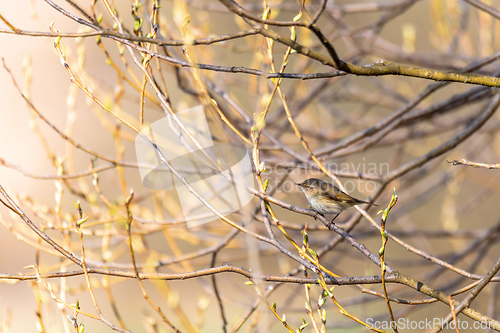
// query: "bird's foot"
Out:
[316,215]
[331,222]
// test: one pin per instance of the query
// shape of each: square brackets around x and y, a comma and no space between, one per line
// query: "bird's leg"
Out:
[318,214]
[331,222]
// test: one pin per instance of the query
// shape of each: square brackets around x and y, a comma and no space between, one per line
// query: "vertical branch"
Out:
[381,252]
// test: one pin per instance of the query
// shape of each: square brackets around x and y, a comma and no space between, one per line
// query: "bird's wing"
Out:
[341,196]
[344,197]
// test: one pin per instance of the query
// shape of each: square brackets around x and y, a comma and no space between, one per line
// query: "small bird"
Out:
[327,199]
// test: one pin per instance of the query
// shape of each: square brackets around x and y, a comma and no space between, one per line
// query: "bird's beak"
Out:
[298,184]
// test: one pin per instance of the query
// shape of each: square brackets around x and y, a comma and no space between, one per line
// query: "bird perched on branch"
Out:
[326,198]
